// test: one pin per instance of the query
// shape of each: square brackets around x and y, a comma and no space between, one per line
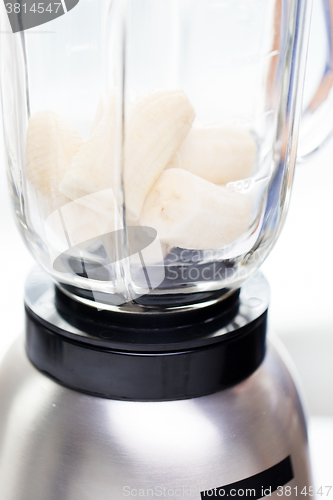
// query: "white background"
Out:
[300,271]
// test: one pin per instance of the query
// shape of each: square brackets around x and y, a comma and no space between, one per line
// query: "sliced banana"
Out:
[175,161]
[77,222]
[51,145]
[92,169]
[217,154]
[156,127]
[190,212]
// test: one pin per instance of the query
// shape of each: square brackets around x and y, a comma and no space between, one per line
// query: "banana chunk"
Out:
[92,169]
[51,145]
[156,127]
[192,213]
[217,154]
[76,222]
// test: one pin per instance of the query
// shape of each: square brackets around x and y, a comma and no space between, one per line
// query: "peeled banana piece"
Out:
[190,212]
[156,126]
[51,145]
[76,222]
[92,169]
[217,154]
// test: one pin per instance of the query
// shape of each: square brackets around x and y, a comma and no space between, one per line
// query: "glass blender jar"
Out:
[151,147]
[117,108]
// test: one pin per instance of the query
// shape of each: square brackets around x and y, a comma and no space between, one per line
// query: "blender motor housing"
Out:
[193,406]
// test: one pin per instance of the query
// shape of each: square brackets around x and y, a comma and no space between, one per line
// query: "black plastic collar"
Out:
[114,357]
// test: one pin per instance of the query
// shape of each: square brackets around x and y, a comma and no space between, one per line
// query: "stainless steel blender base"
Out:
[58,444]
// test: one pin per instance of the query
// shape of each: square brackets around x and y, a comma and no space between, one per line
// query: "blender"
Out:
[150,149]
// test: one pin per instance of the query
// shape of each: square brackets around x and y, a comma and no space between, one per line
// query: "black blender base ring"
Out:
[117,356]
[147,376]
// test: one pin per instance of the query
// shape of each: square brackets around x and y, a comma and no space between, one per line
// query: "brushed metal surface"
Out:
[56,444]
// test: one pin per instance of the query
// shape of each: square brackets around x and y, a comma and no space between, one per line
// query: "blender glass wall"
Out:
[151,143]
